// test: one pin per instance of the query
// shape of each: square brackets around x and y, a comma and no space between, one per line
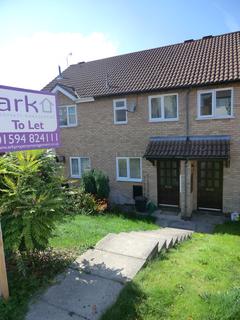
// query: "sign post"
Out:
[28,120]
[4,291]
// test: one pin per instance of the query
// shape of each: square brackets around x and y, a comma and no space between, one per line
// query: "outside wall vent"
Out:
[131,106]
[60,159]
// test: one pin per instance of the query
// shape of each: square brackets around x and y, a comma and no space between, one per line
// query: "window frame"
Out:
[79,165]
[122,108]
[128,170]
[214,103]
[68,125]
[162,119]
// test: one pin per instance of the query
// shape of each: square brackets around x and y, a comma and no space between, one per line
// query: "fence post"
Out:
[4,291]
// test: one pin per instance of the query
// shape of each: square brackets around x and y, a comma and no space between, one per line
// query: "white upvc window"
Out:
[78,165]
[129,169]
[120,111]
[215,103]
[67,116]
[163,107]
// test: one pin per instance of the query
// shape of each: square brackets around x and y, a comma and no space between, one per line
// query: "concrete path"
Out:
[93,283]
[200,222]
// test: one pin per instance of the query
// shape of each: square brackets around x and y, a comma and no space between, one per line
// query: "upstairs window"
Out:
[78,165]
[206,104]
[129,169]
[120,111]
[223,103]
[163,107]
[216,103]
[67,116]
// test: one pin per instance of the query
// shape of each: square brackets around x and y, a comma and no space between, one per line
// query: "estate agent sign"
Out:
[28,120]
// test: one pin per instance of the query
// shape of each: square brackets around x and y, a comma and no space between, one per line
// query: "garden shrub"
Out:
[88,182]
[102,184]
[31,199]
[96,183]
[78,201]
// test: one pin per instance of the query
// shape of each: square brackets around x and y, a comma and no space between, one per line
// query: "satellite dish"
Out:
[131,107]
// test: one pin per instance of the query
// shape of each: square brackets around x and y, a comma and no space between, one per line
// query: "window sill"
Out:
[163,120]
[72,126]
[120,123]
[215,118]
[128,180]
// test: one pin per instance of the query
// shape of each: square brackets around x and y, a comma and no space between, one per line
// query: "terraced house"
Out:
[165,121]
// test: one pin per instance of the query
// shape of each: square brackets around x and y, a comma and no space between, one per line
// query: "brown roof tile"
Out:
[209,60]
[193,147]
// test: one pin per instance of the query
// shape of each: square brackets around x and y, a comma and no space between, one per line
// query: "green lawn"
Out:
[75,234]
[79,232]
[199,280]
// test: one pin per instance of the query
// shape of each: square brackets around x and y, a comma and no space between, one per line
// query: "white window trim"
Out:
[69,125]
[79,165]
[213,115]
[122,108]
[128,169]
[162,119]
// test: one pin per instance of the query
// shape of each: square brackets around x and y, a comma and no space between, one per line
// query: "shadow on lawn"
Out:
[229,227]
[131,215]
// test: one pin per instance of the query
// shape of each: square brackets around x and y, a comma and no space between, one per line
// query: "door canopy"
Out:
[188,147]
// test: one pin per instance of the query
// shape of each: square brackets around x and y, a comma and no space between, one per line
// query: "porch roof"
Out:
[188,147]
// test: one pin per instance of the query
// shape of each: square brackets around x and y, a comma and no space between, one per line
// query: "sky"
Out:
[38,36]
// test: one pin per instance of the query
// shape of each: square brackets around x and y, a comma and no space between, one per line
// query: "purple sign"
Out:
[28,120]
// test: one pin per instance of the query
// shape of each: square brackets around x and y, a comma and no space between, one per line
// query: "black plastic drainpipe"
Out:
[187,136]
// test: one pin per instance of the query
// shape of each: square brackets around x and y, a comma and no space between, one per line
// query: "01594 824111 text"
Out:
[28,138]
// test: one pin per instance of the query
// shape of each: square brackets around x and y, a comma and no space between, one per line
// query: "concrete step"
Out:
[169,236]
[188,233]
[128,246]
[164,242]
[181,236]
[109,265]
[161,240]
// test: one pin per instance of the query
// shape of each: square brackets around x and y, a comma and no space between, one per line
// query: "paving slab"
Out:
[128,245]
[174,238]
[205,227]
[187,233]
[179,236]
[82,294]
[44,311]
[181,230]
[175,222]
[162,242]
[109,265]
